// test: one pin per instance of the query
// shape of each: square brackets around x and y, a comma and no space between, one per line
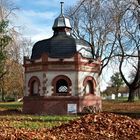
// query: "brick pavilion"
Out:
[61,77]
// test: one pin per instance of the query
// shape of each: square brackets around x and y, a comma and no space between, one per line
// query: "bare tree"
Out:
[128,41]
[93,22]
[12,79]
[113,29]
[132,77]
[7,9]
[138,2]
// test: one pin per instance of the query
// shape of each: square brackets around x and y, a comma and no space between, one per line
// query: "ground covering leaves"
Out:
[121,106]
[102,126]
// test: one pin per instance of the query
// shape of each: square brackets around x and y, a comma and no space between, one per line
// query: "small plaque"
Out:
[72,108]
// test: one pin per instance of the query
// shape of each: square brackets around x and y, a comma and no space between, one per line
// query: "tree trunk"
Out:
[131,95]
[2,95]
[116,96]
[139,93]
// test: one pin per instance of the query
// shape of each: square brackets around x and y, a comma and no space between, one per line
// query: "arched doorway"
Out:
[34,84]
[89,85]
[61,85]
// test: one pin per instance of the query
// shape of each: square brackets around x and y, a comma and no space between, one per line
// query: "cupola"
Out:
[61,21]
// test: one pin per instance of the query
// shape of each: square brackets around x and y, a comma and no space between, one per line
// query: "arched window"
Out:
[89,87]
[34,84]
[34,87]
[61,85]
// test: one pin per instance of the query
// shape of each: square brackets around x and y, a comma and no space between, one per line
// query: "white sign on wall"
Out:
[72,108]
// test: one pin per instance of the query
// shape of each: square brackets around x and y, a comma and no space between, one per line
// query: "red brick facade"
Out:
[74,65]
[58,104]
[55,103]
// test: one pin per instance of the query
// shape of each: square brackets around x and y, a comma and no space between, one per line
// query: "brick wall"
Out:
[57,105]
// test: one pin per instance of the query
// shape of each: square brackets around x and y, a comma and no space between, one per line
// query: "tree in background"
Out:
[111,90]
[4,41]
[92,21]
[108,91]
[116,83]
[113,29]
[132,76]
[126,25]
[11,82]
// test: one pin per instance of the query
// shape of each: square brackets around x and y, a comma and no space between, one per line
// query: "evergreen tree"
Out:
[4,41]
[116,82]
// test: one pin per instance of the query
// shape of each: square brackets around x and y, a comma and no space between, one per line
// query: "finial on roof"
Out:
[61,21]
[61,7]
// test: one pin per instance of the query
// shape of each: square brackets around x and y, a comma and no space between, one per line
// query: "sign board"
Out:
[71,108]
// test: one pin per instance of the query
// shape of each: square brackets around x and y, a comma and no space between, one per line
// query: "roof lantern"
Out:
[61,21]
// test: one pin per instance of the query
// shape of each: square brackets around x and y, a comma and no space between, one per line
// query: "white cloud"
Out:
[36,23]
[38,15]
[35,33]
[30,28]
[40,34]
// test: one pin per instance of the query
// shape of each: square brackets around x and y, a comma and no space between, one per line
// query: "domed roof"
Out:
[62,44]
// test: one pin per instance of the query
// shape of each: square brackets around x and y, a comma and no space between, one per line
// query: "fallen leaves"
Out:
[102,126]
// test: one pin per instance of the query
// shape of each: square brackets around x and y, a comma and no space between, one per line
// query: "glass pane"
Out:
[63,89]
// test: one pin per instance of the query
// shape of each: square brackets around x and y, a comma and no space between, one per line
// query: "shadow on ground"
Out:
[10,112]
[134,115]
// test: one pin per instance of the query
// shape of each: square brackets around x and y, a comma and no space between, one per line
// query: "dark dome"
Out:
[61,46]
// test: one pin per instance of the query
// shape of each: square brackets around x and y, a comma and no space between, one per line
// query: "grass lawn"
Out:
[33,121]
[121,106]
[11,115]
[10,105]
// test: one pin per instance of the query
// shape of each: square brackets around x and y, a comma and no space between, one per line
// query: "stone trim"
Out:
[76,65]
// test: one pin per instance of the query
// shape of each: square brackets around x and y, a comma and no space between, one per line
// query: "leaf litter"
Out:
[102,126]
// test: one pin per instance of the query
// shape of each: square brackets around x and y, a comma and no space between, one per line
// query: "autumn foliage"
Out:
[102,126]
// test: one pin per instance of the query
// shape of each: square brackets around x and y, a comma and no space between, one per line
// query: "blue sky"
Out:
[36,17]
